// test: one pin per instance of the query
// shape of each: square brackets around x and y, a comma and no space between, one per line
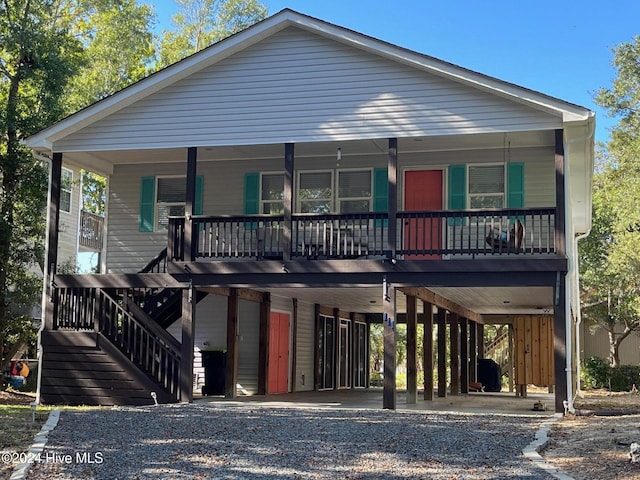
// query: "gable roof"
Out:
[44,139]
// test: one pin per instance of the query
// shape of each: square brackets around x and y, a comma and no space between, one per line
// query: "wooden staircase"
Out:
[498,350]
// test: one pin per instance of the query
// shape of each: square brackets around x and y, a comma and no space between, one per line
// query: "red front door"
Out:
[278,375]
[422,192]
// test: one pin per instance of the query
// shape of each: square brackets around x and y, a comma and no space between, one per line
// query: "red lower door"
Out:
[278,353]
[422,192]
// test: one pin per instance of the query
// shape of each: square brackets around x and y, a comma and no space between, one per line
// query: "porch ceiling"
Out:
[103,161]
[483,300]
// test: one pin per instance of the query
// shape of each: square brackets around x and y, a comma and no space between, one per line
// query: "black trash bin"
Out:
[489,375]
[214,363]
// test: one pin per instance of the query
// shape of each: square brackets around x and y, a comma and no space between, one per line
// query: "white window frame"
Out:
[502,194]
[157,227]
[340,199]
[69,190]
[332,205]
[264,202]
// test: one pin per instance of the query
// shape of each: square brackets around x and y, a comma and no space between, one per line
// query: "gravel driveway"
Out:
[232,441]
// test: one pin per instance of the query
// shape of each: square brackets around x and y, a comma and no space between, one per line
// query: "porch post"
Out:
[560,195]
[427,349]
[389,346]
[336,349]
[442,352]
[454,350]
[287,198]
[52,237]
[473,351]
[188,328]
[511,379]
[263,346]
[480,337]
[392,172]
[464,355]
[189,205]
[560,342]
[412,364]
[231,371]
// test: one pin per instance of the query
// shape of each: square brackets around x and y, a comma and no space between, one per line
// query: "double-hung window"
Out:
[170,200]
[315,192]
[66,186]
[271,196]
[486,186]
[354,191]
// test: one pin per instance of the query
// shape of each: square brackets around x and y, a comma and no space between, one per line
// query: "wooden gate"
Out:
[533,351]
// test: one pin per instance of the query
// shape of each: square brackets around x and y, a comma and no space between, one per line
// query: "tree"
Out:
[37,57]
[610,256]
[199,23]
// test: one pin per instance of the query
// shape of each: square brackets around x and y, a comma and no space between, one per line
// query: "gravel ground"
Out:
[230,441]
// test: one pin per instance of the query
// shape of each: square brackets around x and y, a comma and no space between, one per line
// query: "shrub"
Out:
[597,373]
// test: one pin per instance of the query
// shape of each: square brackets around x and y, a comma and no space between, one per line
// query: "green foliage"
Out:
[94,196]
[597,373]
[610,256]
[199,23]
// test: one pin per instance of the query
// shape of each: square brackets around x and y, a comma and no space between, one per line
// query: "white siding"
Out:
[68,225]
[305,345]
[595,343]
[296,86]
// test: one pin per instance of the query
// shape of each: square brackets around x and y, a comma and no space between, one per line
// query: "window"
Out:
[170,200]
[315,193]
[354,191]
[66,186]
[271,196]
[486,186]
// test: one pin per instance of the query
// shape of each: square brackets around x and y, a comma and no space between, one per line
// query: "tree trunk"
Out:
[614,344]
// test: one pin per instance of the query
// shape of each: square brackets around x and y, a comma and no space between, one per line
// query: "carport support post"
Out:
[263,348]
[560,342]
[473,351]
[389,346]
[412,364]
[464,355]
[186,352]
[454,348]
[442,352]
[231,370]
[427,348]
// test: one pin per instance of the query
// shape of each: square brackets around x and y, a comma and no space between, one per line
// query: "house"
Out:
[280,191]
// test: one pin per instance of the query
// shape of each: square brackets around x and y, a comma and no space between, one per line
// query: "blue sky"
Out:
[558,47]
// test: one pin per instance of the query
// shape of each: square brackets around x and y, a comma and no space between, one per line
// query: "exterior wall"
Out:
[298,86]
[68,225]
[305,347]
[595,343]
[128,250]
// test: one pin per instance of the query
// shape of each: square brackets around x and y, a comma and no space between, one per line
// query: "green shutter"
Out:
[251,193]
[147,204]
[515,185]
[457,190]
[380,193]
[197,208]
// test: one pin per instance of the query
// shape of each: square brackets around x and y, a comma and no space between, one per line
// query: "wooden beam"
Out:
[392,206]
[243,293]
[389,348]
[115,280]
[454,350]
[188,330]
[480,338]
[189,205]
[288,200]
[427,349]
[294,343]
[428,296]
[412,363]
[560,343]
[559,221]
[263,346]
[336,348]
[231,372]
[442,352]
[473,351]
[52,238]
[464,355]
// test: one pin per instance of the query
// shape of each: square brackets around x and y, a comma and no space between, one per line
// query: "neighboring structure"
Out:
[279,191]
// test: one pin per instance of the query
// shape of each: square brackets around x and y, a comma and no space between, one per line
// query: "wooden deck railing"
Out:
[91,227]
[428,234]
[147,345]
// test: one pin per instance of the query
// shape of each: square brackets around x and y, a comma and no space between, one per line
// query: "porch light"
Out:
[338,156]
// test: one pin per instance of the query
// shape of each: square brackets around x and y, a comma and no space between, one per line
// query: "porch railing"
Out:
[147,345]
[450,233]
[91,227]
